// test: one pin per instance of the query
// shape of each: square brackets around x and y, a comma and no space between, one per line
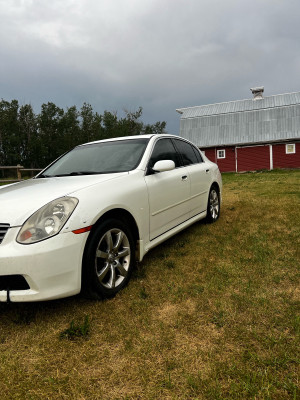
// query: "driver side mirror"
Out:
[163,165]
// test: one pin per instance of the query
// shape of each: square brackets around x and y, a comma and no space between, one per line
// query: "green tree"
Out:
[35,140]
[70,128]
[91,124]
[28,136]
[130,125]
[157,128]
[51,133]
[9,133]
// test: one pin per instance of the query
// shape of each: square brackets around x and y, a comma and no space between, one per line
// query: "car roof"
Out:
[128,138]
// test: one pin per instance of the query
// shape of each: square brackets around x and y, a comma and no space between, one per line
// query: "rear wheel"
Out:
[213,205]
[109,259]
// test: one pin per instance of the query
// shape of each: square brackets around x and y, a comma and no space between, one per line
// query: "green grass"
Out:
[76,331]
[213,313]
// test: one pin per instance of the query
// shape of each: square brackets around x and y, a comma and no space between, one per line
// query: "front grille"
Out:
[3,230]
[13,282]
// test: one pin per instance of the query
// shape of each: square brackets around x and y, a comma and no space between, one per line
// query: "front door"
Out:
[168,191]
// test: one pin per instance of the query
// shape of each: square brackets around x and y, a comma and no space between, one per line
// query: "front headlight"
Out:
[47,221]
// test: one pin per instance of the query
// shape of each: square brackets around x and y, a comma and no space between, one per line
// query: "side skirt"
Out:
[143,249]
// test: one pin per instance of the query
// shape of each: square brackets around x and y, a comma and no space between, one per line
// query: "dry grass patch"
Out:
[211,314]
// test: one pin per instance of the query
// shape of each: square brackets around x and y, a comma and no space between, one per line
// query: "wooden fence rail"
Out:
[19,169]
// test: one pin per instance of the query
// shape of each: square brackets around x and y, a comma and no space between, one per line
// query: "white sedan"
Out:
[81,223]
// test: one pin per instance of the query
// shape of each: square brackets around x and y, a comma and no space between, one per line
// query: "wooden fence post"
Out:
[19,167]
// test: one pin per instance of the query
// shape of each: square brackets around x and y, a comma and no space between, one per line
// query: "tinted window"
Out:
[187,152]
[198,155]
[164,150]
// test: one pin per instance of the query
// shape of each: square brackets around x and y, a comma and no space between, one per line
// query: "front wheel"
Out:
[213,205]
[108,260]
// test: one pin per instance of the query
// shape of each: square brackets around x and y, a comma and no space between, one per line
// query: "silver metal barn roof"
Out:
[263,119]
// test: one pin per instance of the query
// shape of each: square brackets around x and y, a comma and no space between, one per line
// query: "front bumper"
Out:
[52,268]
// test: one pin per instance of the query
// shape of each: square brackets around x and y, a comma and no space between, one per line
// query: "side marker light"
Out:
[82,230]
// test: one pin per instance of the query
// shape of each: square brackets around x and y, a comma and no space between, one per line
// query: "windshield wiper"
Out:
[75,173]
[43,176]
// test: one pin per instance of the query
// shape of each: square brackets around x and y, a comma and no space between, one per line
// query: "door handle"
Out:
[184,178]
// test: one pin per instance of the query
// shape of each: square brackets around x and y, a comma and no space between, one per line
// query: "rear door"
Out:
[168,191]
[199,176]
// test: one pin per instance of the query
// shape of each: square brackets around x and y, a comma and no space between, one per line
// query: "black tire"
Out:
[213,205]
[108,260]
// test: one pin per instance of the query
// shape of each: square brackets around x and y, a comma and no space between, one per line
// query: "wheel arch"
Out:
[215,185]
[219,190]
[116,213]
[123,215]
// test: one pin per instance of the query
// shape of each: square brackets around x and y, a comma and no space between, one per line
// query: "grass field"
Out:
[212,313]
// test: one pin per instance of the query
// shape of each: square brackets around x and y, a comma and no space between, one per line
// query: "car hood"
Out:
[19,201]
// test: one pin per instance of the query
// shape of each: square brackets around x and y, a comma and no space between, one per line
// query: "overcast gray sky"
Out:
[158,54]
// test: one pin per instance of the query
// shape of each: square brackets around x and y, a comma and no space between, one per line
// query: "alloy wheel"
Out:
[214,204]
[112,259]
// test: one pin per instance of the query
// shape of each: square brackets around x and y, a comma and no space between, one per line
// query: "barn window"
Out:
[290,148]
[220,153]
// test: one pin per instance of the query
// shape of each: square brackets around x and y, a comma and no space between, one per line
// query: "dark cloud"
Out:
[161,55]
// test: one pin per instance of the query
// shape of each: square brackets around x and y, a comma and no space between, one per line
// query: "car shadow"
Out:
[28,312]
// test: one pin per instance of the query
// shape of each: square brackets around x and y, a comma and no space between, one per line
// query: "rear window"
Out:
[189,154]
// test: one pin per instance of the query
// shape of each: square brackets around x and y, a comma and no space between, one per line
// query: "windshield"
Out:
[99,158]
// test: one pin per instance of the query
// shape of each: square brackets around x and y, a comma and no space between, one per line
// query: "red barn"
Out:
[247,135]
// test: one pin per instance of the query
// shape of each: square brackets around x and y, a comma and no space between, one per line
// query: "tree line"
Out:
[34,140]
